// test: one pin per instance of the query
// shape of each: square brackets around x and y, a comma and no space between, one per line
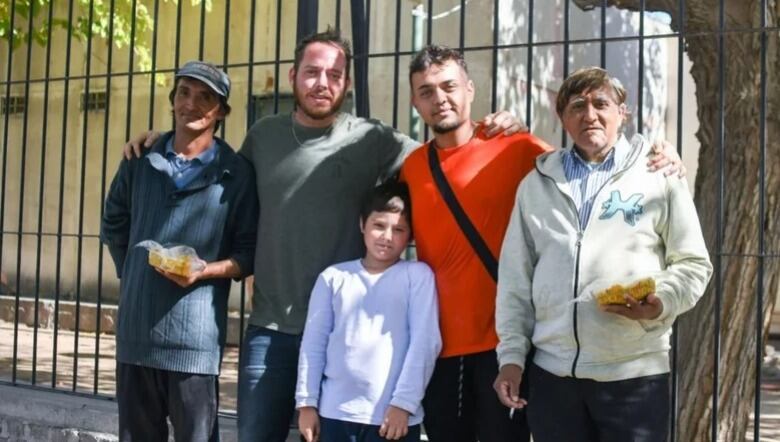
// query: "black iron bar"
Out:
[674,394]
[718,280]
[338,14]
[603,44]
[277,53]
[61,215]
[462,18]
[7,111]
[177,53]
[103,171]
[396,61]
[566,42]
[529,73]
[761,219]
[82,186]
[153,74]
[225,52]
[494,67]
[202,29]
[23,148]
[41,186]
[640,99]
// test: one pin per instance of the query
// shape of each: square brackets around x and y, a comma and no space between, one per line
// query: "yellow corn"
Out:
[179,266]
[638,290]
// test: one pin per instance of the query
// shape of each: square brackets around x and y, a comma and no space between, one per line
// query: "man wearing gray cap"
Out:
[189,189]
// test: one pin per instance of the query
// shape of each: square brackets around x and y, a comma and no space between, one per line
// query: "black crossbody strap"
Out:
[475,239]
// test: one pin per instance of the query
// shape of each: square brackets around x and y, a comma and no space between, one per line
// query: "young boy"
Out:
[372,335]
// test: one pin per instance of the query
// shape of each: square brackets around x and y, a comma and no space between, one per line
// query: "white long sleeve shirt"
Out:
[370,341]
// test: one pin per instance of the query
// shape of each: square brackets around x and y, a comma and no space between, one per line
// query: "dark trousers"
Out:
[461,406]
[562,409]
[334,430]
[147,396]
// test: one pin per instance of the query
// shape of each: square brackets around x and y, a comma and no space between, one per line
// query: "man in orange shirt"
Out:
[460,404]
[483,174]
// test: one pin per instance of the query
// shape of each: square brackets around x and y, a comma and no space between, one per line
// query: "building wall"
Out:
[74,140]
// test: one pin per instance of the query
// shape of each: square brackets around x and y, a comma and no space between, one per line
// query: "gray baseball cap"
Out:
[214,78]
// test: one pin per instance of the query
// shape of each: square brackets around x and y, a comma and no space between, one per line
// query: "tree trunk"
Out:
[739,246]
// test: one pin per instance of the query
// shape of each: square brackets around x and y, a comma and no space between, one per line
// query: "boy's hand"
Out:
[395,424]
[507,386]
[650,308]
[502,122]
[309,424]
[144,139]
[664,155]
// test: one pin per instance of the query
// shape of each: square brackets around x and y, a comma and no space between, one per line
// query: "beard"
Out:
[445,127]
[317,114]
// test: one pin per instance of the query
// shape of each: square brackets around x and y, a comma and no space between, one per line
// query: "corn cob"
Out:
[179,266]
[638,290]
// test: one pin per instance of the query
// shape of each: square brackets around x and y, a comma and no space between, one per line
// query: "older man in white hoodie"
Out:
[586,218]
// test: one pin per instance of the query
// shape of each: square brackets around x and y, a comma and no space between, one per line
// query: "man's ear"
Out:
[470,90]
[291,75]
[362,226]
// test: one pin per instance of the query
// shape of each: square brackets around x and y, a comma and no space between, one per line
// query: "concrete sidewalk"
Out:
[103,411]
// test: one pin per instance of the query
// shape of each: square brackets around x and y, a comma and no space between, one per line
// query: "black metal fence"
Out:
[71,96]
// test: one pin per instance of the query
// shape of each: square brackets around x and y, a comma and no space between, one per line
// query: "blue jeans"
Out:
[268,370]
[333,430]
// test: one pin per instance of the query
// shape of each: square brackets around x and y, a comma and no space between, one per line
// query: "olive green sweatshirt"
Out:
[310,183]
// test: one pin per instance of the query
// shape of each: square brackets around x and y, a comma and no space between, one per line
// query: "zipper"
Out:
[578,247]
[576,304]
[576,269]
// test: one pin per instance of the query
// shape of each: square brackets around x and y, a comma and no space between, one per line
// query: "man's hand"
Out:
[665,156]
[396,423]
[502,122]
[650,308]
[507,386]
[144,139]
[309,424]
[184,281]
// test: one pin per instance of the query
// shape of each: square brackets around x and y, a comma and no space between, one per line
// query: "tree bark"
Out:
[736,254]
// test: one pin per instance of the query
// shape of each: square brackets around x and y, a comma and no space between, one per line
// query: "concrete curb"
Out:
[28,415]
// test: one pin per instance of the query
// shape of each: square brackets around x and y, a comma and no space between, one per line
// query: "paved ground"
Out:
[85,382]
[86,361]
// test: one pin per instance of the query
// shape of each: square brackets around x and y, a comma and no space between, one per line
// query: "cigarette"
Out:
[511,413]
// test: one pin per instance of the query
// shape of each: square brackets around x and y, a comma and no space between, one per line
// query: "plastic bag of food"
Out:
[179,260]
[612,292]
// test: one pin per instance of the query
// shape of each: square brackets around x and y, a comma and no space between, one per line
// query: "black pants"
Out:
[461,406]
[147,396]
[562,409]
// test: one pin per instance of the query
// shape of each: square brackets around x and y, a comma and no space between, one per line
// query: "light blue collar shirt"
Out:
[182,170]
[587,178]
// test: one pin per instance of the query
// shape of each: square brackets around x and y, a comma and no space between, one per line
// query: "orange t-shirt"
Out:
[484,175]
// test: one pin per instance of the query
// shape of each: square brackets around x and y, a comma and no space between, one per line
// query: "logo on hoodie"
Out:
[630,207]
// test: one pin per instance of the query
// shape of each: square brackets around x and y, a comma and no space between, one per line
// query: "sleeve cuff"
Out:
[405,405]
[513,357]
[307,402]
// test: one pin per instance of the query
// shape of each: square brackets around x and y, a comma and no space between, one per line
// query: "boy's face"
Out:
[386,236]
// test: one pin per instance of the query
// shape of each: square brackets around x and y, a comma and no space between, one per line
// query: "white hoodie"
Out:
[643,224]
